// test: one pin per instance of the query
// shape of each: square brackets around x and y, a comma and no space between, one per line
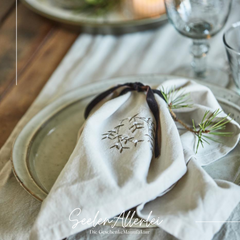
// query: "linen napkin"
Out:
[113,169]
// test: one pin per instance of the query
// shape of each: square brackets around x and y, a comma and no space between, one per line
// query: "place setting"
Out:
[104,16]
[129,138]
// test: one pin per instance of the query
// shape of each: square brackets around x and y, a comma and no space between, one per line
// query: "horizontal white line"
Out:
[217,221]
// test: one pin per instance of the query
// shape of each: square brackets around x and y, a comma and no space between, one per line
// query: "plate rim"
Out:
[87,92]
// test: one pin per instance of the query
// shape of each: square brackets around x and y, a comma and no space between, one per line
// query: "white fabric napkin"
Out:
[112,169]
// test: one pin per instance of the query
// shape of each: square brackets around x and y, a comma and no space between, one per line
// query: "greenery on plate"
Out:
[210,126]
[97,7]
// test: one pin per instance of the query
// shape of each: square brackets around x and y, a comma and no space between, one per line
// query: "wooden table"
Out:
[41,46]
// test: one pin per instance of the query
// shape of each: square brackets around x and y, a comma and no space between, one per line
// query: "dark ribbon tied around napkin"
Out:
[151,101]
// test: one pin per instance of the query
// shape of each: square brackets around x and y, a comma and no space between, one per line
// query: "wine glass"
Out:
[199,20]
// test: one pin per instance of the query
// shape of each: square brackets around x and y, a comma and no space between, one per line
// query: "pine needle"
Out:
[210,126]
[208,129]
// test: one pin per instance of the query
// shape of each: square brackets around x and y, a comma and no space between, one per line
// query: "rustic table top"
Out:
[41,46]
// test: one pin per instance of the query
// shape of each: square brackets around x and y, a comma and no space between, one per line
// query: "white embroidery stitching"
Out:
[136,124]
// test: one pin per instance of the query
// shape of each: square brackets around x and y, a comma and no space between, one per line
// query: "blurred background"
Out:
[46,29]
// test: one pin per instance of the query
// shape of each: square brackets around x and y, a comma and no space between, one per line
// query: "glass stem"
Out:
[199,50]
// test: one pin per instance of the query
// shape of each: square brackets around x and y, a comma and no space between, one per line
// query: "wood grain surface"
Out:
[41,46]
[5,8]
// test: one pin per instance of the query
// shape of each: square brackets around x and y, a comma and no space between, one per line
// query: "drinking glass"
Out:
[231,39]
[199,20]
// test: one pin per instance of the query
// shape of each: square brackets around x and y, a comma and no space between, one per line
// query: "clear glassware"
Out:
[199,20]
[231,39]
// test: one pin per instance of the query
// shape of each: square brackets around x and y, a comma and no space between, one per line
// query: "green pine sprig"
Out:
[176,98]
[209,128]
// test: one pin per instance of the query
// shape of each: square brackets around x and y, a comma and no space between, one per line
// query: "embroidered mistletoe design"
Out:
[122,141]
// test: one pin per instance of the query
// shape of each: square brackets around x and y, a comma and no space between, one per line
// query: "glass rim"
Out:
[233,26]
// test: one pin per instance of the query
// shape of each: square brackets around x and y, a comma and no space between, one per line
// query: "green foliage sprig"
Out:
[97,7]
[208,129]
[210,126]
[176,98]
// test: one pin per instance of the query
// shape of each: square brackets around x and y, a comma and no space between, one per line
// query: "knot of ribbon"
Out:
[151,101]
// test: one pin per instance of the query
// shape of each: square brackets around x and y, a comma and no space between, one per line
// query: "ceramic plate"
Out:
[123,20]
[43,147]
[46,142]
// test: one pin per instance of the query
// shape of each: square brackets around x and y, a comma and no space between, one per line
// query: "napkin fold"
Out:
[112,169]
[196,207]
